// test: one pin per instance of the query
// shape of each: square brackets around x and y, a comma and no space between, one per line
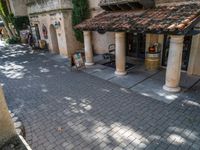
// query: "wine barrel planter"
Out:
[152,61]
[42,44]
[24,40]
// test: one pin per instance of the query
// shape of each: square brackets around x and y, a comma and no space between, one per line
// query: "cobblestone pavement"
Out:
[63,109]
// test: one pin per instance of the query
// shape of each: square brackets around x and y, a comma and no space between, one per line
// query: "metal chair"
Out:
[111,53]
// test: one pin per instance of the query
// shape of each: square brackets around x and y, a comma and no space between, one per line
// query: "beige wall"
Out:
[65,35]
[18,7]
[173,2]
[72,44]
[94,3]
[48,5]
[102,41]
[48,12]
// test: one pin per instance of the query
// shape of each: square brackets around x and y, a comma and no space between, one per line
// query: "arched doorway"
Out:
[54,40]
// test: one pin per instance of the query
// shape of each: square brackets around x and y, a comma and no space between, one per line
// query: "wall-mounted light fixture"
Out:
[57,24]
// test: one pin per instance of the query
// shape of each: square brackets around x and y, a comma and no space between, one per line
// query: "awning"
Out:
[177,20]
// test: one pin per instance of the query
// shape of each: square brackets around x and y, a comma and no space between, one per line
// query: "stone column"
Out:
[88,48]
[7,129]
[173,72]
[120,53]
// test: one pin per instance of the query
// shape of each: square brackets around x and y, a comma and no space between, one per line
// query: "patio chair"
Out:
[111,53]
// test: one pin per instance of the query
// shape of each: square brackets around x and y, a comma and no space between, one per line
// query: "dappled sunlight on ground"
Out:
[81,106]
[163,95]
[191,103]
[12,70]
[64,109]
[106,90]
[43,70]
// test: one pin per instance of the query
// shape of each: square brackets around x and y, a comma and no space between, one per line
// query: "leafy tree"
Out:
[80,12]
[4,15]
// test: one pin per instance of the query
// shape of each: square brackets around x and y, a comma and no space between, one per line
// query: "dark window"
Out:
[186,51]
[135,46]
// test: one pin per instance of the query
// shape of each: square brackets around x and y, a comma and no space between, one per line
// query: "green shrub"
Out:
[80,12]
[20,23]
[14,40]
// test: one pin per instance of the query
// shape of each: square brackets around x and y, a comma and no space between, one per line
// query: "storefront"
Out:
[186,51]
[135,45]
[137,30]
[52,23]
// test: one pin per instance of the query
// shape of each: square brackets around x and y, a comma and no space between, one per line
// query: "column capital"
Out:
[120,34]
[86,33]
[177,39]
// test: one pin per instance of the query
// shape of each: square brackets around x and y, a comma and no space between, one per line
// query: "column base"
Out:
[170,89]
[120,73]
[89,64]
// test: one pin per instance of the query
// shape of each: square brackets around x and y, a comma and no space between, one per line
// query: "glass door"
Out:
[135,45]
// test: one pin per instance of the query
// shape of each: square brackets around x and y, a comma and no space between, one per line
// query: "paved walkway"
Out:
[147,83]
[74,110]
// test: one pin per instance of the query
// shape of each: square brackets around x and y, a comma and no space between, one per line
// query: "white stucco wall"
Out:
[18,7]
[65,35]
[72,44]
[49,5]
[48,12]
[102,41]
[94,3]
[174,2]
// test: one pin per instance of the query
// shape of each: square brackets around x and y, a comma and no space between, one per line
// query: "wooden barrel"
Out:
[152,61]
[24,40]
[42,44]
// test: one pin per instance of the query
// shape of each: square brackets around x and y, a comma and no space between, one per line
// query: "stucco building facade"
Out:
[51,21]
[133,26]
[192,42]
[17,7]
[178,52]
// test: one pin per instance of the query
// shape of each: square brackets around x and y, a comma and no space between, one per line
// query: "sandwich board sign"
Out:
[78,60]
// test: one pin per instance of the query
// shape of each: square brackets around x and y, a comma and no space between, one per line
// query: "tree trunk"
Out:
[7,129]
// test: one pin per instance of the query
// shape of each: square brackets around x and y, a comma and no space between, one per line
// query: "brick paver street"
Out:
[63,109]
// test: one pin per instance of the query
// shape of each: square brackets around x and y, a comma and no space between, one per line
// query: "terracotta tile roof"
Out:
[164,19]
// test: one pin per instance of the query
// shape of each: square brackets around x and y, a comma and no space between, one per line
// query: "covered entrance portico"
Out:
[146,21]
